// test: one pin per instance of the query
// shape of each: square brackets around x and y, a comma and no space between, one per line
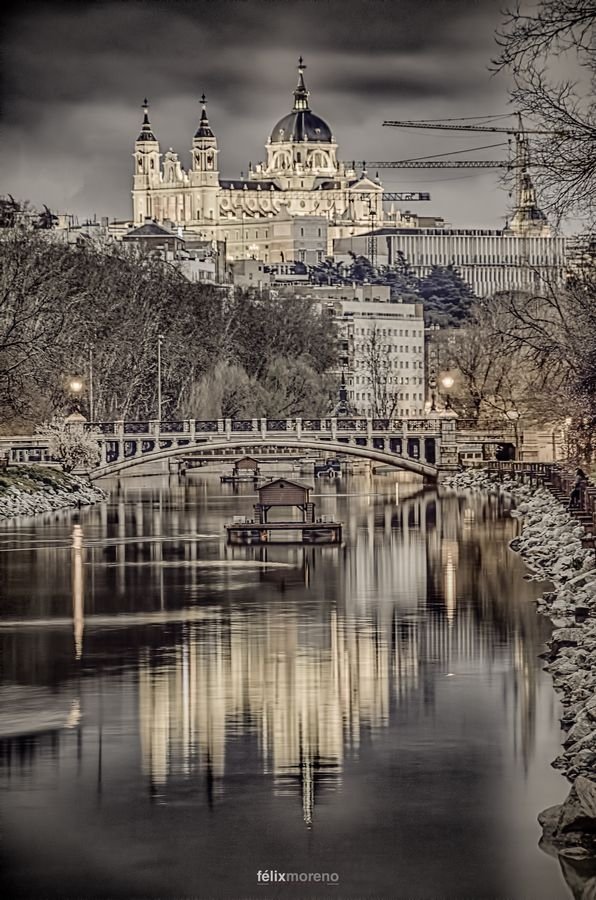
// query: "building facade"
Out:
[381,351]
[489,260]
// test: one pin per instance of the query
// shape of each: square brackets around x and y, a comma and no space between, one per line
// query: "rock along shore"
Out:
[31,490]
[551,545]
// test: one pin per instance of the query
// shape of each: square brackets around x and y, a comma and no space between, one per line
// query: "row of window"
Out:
[397,364]
[388,348]
[390,332]
[367,395]
[366,379]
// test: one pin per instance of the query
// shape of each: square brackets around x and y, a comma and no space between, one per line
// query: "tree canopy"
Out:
[62,306]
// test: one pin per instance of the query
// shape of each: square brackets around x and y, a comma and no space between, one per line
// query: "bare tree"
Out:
[71,444]
[550,53]
[378,372]
[501,368]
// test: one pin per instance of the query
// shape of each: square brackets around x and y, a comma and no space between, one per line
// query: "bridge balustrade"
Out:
[175,427]
[102,427]
[136,427]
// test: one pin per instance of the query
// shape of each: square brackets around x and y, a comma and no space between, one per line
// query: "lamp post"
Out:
[447,381]
[159,344]
[91,404]
[513,416]
[75,386]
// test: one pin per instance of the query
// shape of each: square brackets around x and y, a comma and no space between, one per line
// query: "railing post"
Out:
[369,431]
[299,428]
[228,428]
[119,435]
[334,428]
[263,428]
[254,424]
[192,429]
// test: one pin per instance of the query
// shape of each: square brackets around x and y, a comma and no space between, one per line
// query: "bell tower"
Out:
[147,173]
[204,175]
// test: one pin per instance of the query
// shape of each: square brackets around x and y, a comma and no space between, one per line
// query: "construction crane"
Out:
[520,163]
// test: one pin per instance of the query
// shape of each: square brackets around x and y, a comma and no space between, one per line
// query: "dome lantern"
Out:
[301,124]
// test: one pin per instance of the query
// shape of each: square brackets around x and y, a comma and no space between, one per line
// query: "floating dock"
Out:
[284,533]
[245,469]
[282,492]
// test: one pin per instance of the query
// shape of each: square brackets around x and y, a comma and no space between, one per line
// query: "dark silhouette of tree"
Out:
[447,298]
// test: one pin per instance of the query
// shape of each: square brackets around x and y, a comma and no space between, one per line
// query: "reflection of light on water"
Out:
[77,589]
[74,716]
[449,553]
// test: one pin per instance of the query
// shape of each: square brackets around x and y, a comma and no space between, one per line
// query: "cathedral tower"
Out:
[147,168]
[204,175]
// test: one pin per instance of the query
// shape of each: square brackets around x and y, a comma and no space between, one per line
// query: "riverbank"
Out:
[31,490]
[551,545]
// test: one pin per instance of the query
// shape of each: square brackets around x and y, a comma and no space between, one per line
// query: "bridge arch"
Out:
[403,463]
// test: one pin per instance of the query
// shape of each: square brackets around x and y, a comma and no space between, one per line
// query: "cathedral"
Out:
[291,206]
[300,204]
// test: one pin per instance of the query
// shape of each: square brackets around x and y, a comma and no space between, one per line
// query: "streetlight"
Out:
[160,339]
[91,403]
[76,385]
[447,382]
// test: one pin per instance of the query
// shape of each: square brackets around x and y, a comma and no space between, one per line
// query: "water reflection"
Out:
[290,661]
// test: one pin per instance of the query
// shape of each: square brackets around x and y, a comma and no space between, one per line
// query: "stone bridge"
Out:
[423,445]
[420,445]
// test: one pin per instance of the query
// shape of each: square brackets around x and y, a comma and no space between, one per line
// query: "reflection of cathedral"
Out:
[310,662]
[300,187]
[309,686]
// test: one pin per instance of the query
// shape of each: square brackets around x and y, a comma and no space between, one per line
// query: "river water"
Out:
[176,715]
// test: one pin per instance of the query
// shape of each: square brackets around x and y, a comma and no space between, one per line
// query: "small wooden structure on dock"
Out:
[245,469]
[279,493]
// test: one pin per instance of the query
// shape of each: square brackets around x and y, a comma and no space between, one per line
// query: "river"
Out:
[177,715]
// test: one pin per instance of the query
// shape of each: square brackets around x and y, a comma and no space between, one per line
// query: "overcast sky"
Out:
[74,76]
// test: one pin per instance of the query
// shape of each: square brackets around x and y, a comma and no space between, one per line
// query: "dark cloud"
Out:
[74,75]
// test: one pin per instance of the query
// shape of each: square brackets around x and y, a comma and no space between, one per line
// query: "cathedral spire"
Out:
[146,130]
[300,92]
[204,131]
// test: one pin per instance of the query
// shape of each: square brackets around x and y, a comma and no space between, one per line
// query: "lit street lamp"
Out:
[447,382]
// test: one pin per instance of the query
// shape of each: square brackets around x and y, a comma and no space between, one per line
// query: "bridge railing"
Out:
[325,424]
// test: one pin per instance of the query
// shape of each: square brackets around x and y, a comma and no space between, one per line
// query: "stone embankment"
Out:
[30,490]
[551,545]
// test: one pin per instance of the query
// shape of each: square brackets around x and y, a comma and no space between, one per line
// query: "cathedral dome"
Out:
[301,124]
